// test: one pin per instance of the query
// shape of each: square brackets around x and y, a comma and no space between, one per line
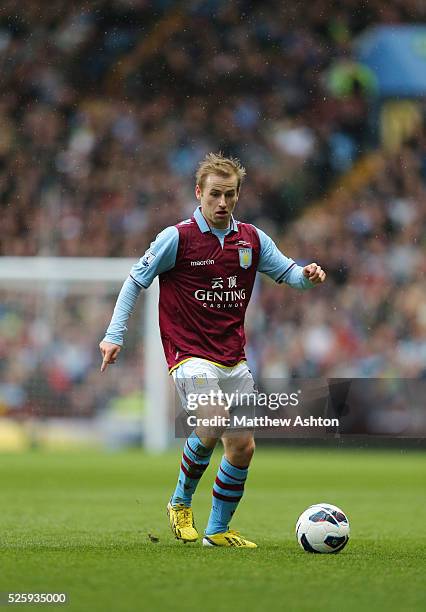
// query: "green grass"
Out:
[79,523]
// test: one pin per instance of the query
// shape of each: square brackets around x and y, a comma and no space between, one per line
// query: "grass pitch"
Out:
[79,523]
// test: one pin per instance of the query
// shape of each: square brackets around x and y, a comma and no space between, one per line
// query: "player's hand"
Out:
[314,273]
[109,353]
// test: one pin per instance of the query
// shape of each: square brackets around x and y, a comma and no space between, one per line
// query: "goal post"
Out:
[50,278]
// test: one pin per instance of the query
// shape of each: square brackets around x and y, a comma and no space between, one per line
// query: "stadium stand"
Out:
[106,108]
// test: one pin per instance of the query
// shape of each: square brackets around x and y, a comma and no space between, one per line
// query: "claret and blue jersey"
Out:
[206,279]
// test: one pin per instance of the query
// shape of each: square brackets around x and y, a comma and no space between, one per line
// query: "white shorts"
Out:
[198,376]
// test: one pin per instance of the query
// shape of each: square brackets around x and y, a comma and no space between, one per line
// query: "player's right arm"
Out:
[159,258]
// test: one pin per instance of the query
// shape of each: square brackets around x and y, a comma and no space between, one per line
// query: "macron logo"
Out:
[205,262]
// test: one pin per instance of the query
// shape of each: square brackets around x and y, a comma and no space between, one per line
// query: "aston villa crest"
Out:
[245,257]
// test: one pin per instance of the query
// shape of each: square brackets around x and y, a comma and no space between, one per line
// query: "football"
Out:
[322,528]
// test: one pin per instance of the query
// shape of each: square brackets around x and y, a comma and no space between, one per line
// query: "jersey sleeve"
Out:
[277,266]
[159,258]
[123,308]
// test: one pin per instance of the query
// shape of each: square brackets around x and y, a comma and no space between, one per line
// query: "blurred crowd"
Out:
[106,107]
[95,158]
[369,318]
[49,354]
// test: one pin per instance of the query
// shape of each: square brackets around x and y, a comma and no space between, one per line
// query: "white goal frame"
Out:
[46,272]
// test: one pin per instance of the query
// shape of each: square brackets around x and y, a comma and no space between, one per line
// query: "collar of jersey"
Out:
[204,226]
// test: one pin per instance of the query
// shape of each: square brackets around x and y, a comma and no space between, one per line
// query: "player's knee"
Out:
[241,450]
[249,448]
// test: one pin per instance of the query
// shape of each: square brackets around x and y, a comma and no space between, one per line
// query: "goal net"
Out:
[53,314]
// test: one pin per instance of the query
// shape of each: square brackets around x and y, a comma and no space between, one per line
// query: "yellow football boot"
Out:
[229,538]
[182,522]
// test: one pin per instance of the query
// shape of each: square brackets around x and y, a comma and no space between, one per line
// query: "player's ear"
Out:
[238,190]
[198,192]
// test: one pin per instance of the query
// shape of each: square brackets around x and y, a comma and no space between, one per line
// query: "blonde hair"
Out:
[217,163]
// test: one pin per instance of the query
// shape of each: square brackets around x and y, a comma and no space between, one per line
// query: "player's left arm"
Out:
[283,269]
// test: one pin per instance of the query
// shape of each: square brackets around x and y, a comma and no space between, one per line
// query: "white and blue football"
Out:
[322,528]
